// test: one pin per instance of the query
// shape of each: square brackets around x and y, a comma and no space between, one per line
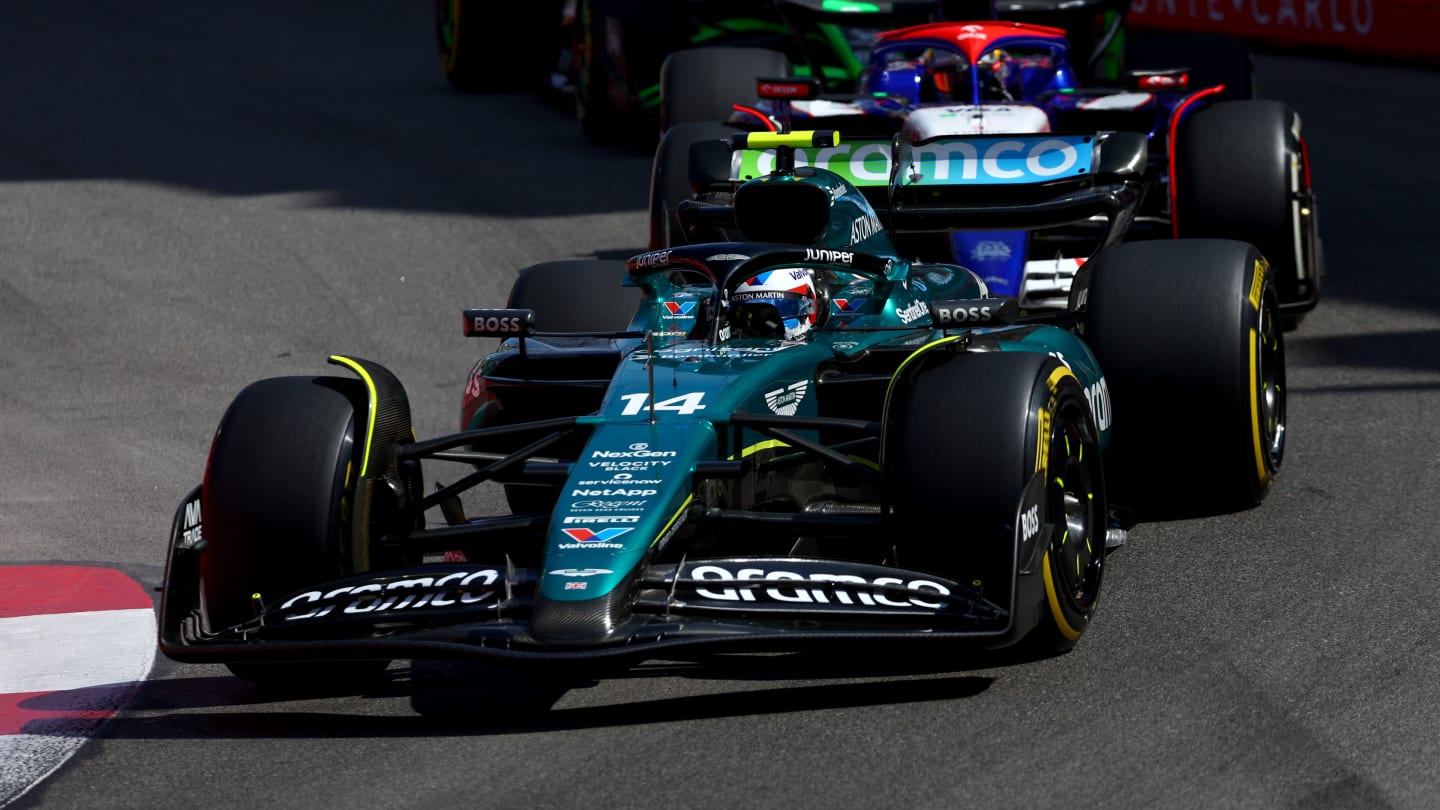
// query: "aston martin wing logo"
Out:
[786,401]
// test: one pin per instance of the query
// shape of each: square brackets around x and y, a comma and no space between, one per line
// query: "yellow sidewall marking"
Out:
[1264,475]
[1046,417]
[1258,283]
[1053,598]
[1042,464]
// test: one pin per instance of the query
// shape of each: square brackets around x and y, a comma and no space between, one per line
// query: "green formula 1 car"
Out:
[798,439]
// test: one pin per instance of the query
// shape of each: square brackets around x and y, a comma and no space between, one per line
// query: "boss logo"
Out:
[499,322]
[973,313]
[1030,522]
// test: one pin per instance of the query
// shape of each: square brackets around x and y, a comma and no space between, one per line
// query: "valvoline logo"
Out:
[677,308]
[850,304]
[592,536]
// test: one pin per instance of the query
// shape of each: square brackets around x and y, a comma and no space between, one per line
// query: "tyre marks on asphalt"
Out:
[75,643]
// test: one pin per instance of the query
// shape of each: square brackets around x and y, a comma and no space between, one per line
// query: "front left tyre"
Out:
[276,505]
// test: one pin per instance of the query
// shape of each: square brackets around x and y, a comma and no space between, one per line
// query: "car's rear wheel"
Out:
[618,50]
[965,436]
[477,60]
[1188,335]
[670,182]
[1242,174]
[576,295]
[579,295]
[702,85]
[276,504]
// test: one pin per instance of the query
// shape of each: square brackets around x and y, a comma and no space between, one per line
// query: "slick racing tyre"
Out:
[670,178]
[702,85]
[964,437]
[1188,335]
[477,59]
[1241,173]
[568,296]
[577,295]
[275,502]
[1212,59]
[619,46]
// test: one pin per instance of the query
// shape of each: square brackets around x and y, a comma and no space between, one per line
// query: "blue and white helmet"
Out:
[784,303]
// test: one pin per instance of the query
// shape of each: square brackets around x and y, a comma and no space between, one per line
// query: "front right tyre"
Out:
[965,437]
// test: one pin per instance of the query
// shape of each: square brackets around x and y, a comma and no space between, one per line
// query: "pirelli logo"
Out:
[1258,282]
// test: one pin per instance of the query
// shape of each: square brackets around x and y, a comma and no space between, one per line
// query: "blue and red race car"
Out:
[1215,166]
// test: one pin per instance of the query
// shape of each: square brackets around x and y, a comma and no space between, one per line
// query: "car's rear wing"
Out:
[970,182]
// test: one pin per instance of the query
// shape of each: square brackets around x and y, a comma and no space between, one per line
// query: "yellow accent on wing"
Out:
[890,389]
[370,420]
[673,518]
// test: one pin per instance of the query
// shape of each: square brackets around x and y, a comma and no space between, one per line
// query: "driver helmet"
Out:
[781,303]
[950,74]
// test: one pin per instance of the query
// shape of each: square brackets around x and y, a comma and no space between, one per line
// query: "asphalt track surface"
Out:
[197,195]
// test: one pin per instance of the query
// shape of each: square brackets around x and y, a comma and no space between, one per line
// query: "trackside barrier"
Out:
[1400,29]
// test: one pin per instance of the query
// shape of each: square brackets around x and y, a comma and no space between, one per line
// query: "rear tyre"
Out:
[964,437]
[1188,336]
[1242,175]
[1212,59]
[702,85]
[476,60]
[619,48]
[275,502]
[577,295]
[582,295]
[670,178]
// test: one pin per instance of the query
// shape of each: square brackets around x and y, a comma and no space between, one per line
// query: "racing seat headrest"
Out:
[786,211]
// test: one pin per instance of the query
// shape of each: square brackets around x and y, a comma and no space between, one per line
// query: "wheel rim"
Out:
[1078,547]
[585,57]
[446,13]
[1270,385]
